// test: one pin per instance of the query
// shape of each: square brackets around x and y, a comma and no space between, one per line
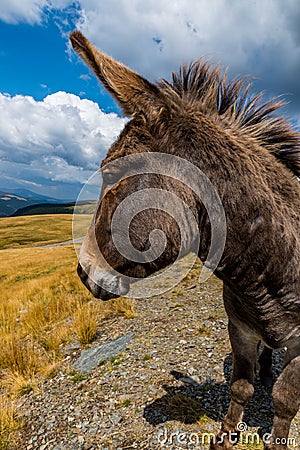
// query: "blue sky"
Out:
[37,63]
[57,122]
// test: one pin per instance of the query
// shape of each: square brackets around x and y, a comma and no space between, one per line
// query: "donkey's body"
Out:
[252,160]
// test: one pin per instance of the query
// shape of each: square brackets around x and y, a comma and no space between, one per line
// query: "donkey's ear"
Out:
[133,92]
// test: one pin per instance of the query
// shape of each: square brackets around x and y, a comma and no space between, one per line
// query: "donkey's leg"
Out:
[242,381]
[286,399]
[265,369]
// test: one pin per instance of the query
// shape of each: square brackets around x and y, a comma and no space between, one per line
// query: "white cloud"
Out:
[60,139]
[14,11]
[30,11]
[85,77]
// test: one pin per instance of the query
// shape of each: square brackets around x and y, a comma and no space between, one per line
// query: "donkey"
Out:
[252,159]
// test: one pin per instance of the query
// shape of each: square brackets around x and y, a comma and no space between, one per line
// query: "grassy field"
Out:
[35,230]
[43,307]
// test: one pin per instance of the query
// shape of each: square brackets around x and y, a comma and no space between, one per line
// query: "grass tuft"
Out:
[121,306]
[184,409]
[19,356]
[10,422]
[85,323]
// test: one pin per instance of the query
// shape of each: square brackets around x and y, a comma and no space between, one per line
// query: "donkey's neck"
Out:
[261,199]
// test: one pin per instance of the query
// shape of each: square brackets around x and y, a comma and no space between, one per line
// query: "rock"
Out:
[70,348]
[194,379]
[90,358]
[93,430]
[115,419]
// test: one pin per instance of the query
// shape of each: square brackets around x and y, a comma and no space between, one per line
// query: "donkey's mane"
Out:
[230,103]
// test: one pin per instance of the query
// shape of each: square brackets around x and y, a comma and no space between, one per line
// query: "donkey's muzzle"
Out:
[96,289]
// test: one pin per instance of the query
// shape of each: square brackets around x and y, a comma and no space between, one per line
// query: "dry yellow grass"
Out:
[44,303]
[85,323]
[39,293]
[88,316]
[43,306]
[184,409]
[9,423]
[35,230]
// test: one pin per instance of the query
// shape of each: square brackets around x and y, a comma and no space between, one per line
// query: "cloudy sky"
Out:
[56,122]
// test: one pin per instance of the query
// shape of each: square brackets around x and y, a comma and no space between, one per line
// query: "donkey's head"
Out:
[134,232]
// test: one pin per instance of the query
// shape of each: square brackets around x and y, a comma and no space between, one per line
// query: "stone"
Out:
[93,430]
[70,348]
[115,419]
[194,379]
[81,439]
[91,357]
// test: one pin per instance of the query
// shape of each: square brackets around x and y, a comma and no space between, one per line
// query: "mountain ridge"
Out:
[13,199]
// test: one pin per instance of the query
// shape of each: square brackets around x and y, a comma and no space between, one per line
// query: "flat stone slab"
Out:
[91,357]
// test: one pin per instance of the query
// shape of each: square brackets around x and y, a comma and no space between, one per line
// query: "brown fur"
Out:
[252,159]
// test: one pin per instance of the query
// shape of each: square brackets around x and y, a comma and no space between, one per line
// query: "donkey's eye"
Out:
[110,177]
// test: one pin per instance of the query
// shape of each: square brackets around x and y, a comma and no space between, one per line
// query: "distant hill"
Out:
[26,193]
[15,199]
[84,207]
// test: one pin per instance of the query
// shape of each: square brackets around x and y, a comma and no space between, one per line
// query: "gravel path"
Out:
[172,378]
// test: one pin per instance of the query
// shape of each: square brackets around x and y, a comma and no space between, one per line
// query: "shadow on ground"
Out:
[195,403]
